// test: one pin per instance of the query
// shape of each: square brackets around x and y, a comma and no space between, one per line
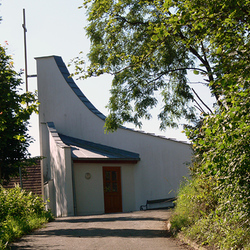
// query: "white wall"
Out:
[89,193]
[45,151]
[49,196]
[162,164]
[61,175]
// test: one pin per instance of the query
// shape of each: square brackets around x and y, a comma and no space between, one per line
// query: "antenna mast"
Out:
[25,50]
[26,77]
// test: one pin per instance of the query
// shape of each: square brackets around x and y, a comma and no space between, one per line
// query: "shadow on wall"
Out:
[57,166]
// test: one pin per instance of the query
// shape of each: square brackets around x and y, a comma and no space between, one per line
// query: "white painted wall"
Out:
[162,164]
[49,196]
[89,193]
[61,175]
[45,151]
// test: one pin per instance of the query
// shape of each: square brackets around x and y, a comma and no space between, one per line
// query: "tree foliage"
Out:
[149,46]
[14,115]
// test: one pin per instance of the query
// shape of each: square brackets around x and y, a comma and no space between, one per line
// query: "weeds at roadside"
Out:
[20,213]
[204,217]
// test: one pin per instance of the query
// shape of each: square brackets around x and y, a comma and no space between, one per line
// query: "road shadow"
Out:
[110,219]
[103,232]
[29,247]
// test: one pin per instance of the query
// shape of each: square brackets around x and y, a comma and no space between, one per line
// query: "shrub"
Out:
[214,207]
[210,217]
[20,213]
[195,199]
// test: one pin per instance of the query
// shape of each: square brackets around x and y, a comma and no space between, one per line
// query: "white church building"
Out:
[86,171]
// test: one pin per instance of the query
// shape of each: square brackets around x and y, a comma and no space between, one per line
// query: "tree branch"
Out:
[169,71]
[130,22]
[199,107]
[205,63]
[202,102]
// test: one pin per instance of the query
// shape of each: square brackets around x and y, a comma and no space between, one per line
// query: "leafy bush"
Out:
[206,216]
[195,199]
[214,208]
[20,213]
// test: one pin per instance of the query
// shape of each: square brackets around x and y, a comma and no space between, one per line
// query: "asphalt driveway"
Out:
[136,230]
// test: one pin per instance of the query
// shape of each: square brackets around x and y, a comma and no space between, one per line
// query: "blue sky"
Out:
[56,27]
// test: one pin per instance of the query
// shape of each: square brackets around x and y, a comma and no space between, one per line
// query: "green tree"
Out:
[14,115]
[150,46]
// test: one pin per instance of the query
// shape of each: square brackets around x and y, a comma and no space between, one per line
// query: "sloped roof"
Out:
[86,150]
[89,151]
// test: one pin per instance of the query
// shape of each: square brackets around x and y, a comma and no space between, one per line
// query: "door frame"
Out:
[119,189]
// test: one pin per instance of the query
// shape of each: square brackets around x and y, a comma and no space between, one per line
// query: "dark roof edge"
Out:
[40,57]
[108,161]
[154,135]
[62,67]
[71,141]
[52,130]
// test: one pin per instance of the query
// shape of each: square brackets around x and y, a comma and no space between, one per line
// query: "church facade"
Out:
[86,171]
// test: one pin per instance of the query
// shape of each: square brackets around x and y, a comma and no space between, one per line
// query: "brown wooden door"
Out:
[112,189]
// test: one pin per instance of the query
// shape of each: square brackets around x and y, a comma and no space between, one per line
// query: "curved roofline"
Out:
[65,73]
[62,67]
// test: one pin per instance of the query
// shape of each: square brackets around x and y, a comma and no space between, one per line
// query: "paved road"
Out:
[123,231]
